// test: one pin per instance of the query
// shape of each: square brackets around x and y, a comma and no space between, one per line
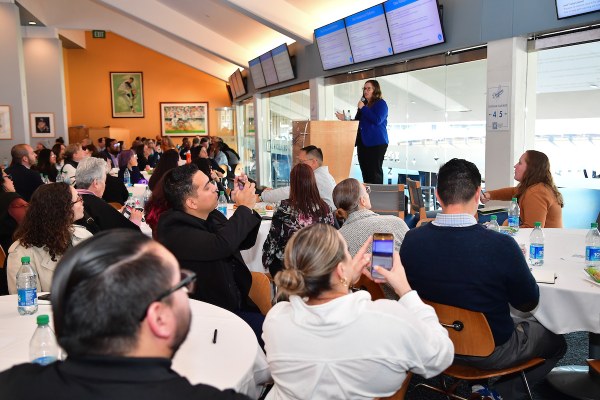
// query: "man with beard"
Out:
[25,179]
[121,311]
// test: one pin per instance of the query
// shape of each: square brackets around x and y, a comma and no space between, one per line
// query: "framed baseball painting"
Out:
[183,119]
[127,94]
[41,125]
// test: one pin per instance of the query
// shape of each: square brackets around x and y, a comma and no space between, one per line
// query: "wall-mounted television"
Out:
[333,45]
[283,63]
[239,83]
[368,34]
[268,67]
[258,78]
[231,86]
[413,24]
[571,8]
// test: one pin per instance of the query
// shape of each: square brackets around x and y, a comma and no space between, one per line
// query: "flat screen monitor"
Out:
[231,86]
[258,79]
[571,8]
[239,83]
[283,64]
[268,67]
[368,34]
[333,45]
[413,24]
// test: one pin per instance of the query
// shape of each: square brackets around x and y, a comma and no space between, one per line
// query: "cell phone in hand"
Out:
[382,253]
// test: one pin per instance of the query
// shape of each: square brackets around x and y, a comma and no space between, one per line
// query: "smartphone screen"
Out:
[382,252]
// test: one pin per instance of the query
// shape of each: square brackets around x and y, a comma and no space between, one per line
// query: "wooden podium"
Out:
[335,138]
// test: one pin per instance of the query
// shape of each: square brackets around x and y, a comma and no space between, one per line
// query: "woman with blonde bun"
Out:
[327,342]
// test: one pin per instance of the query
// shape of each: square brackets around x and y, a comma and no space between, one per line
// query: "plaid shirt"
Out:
[455,220]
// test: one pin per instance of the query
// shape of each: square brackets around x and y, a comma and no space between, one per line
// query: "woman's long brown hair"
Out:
[304,194]
[538,171]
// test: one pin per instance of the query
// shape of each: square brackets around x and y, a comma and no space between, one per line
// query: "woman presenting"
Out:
[372,138]
[538,196]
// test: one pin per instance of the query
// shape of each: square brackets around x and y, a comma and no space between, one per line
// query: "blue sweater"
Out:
[373,124]
[473,268]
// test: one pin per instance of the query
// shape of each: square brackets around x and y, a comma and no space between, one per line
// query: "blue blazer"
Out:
[373,124]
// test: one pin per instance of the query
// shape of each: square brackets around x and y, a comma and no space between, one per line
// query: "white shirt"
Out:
[325,184]
[352,347]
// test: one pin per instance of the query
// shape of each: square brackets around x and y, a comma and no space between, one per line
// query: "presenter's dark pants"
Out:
[370,160]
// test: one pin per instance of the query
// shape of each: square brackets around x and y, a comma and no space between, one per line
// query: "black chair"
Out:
[417,205]
[387,199]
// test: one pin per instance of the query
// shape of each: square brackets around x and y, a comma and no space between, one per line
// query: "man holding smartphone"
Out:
[455,261]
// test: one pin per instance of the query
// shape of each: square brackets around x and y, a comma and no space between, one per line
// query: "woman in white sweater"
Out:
[329,343]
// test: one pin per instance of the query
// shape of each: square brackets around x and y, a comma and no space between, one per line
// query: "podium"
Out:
[335,138]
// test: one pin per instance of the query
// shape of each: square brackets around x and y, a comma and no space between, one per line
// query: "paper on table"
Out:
[543,276]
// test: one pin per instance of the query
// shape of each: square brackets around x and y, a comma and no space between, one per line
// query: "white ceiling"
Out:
[213,36]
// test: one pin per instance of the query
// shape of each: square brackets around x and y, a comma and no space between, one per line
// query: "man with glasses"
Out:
[313,157]
[25,179]
[204,241]
[121,311]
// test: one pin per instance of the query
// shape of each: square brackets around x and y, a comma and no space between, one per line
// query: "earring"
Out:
[344,281]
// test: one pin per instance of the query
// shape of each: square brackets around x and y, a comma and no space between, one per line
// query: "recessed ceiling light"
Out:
[594,86]
[32,23]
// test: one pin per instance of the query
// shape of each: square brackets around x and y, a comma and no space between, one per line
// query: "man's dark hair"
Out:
[203,140]
[17,153]
[458,181]
[178,185]
[314,152]
[108,142]
[102,287]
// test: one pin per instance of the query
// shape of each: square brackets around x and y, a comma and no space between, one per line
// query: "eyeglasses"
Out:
[79,199]
[368,189]
[187,280]
[305,161]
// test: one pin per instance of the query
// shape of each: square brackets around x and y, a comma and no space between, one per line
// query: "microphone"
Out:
[364,100]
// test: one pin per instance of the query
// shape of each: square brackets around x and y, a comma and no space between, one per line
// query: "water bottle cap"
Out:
[537,224]
[25,259]
[221,192]
[130,195]
[594,225]
[43,319]
[493,218]
[514,199]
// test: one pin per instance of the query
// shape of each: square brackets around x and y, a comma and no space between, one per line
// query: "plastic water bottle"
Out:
[348,116]
[536,245]
[43,348]
[147,195]
[493,224]
[592,247]
[127,178]
[59,177]
[27,288]
[514,213]
[129,206]
[222,204]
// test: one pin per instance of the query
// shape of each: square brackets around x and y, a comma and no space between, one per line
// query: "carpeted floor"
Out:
[576,355]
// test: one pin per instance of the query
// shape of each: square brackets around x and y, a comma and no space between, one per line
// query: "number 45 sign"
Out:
[497,108]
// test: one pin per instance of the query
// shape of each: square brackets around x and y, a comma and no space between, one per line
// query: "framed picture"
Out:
[183,119]
[5,123]
[41,125]
[127,94]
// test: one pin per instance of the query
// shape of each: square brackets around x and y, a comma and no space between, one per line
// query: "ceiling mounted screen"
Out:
[413,24]
[258,78]
[333,45]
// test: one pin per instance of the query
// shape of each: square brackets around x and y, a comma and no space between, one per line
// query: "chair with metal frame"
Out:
[387,199]
[471,335]
[417,204]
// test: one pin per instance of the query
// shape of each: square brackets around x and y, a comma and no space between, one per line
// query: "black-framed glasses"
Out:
[368,189]
[79,199]
[187,280]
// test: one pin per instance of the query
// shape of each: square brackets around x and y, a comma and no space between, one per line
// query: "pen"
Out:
[215,337]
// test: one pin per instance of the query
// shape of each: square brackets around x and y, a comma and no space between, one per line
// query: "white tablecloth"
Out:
[572,303]
[235,361]
[253,256]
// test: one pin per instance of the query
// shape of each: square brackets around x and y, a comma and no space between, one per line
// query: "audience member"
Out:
[156,206]
[142,152]
[206,242]
[538,196]
[59,152]
[101,144]
[327,342]
[185,147]
[128,162]
[25,180]
[481,270]
[120,338]
[12,211]
[154,155]
[46,164]
[304,208]
[195,147]
[112,151]
[115,190]
[90,150]
[73,154]
[91,181]
[46,233]
[313,157]
[168,161]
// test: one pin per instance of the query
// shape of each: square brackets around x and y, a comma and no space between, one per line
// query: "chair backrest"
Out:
[115,205]
[373,288]
[260,292]
[387,199]
[469,330]
[399,395]
[2,257]
[415,195]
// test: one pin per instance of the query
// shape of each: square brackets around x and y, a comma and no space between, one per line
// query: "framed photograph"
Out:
[127,94]
[184,119]
[5,123]
[41,125]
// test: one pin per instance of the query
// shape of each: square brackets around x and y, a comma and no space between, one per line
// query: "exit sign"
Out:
[99,34]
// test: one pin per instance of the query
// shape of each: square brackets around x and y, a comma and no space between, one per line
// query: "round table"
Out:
[571,304]
[234,361]
[253,256]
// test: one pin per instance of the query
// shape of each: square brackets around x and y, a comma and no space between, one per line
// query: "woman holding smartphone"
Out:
[327,342]
[372,137]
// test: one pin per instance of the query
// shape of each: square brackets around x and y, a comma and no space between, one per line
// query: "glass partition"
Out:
[246,137]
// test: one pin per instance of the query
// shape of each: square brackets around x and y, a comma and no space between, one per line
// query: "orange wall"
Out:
[165,80]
